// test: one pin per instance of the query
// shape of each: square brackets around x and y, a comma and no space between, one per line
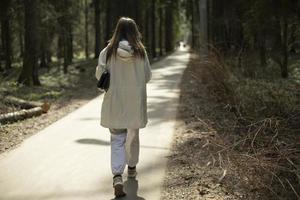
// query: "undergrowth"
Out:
[55,85]
[261,145]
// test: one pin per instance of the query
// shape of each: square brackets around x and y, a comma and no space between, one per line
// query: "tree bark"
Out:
[160,30]
[29,73]
[68,47]
[70,42]
[108,20]
[97,27]
[60,46]
[284,63]
[43,46]
[21,43]
[147,35]
[6,33]
[262,50]
[153,28]
[169,28]
[86,28]
[20,115]
[65,38]
[203,27]
[193,24]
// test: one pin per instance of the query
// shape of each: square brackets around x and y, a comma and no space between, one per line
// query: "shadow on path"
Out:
[131,187]
[105,143]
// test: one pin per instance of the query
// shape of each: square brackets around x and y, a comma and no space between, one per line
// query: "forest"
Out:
[64,30]
[36,34]
[245,53]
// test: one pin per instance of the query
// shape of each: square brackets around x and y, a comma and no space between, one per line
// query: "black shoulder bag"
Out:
[103,82]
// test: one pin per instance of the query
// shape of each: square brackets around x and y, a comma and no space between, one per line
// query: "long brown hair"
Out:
[126,29]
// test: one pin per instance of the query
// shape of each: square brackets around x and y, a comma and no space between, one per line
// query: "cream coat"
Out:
[125,103]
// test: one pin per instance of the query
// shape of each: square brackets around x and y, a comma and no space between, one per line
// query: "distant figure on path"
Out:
[124,107]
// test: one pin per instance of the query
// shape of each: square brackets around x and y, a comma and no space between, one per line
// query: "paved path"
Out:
[70,159]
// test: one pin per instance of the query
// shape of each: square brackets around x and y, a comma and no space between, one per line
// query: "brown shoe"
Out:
[118,186]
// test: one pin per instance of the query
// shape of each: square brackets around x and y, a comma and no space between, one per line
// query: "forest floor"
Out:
[65,93]
[212,157]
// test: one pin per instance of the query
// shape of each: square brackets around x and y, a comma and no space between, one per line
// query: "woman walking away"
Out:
[124,107]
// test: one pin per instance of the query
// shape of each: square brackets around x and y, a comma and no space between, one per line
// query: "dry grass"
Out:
[266,152]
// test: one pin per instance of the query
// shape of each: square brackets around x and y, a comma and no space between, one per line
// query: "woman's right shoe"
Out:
[118,186]
[131,171]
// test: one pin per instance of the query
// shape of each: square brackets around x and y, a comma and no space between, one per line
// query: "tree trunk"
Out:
[66,40]
[50,39]
[153,28]
[60,46]
[6,33]
[262,50]
[169,27]
[43,60]
[160,30]
[108,20]
[20,115]
[97,28]
[193,25]
[70,42]
[43,46]
[210,5]
[67,59]
[284,63]
[147,35]
[203,27]
[293,38]
[86,28]
[21,43]
[20,19]
[29,73]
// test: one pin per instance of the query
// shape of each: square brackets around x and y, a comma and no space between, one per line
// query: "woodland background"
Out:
[245,53]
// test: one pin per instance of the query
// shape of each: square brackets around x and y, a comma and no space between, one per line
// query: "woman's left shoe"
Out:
[118,186]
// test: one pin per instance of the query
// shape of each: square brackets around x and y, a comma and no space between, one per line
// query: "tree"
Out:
[86,28]
[153,28]
[47,27]
[20,27]
[67,13]
[97,27]
[203,27]
[6,33]
[108,20]
[169,34]
[282,19]
[161,24]
[29,73]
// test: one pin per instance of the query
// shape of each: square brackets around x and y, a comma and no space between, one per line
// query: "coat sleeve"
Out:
[147,66]
[101,64]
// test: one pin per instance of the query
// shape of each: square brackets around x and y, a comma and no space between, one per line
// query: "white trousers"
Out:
[125,149]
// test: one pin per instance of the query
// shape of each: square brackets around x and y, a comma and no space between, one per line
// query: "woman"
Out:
[124,107]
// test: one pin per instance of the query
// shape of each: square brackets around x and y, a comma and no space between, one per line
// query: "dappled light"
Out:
[149,100]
